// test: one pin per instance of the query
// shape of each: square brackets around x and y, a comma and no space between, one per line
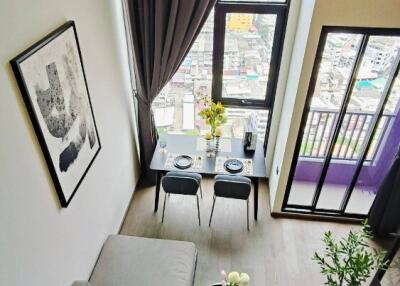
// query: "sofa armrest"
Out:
[81,283]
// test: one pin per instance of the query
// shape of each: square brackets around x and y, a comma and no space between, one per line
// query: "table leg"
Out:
[255,183]
[158,183]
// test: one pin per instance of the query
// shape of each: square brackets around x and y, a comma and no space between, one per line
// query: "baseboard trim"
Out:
[315,217]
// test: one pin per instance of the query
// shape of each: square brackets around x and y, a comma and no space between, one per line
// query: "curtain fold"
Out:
[163,32]
[384,216]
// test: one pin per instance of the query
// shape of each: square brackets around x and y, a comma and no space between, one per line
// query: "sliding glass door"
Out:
[343,149]
[384,147]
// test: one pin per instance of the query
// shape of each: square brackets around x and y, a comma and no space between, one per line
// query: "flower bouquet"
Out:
[234,279]
[213,114]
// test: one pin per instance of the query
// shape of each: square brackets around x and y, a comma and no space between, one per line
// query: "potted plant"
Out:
[351,260]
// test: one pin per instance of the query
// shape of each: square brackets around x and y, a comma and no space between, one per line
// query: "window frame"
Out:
[280,9]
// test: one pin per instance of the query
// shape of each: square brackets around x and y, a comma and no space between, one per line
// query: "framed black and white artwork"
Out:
[52,81]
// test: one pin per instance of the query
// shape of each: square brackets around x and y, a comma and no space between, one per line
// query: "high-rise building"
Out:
[240,22]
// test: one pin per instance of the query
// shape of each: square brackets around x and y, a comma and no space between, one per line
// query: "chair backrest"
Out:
[183,185]
[229,186]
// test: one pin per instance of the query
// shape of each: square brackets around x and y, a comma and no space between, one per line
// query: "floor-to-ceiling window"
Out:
[350,126]
[235,59]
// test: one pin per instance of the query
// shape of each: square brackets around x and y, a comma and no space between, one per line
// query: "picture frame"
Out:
[51,78]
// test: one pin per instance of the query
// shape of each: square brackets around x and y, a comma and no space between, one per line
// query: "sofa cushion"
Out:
[130,261]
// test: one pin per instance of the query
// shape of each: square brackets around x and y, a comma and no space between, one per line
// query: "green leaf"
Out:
[349,261]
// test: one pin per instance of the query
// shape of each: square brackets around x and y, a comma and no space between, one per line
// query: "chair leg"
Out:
[201,191]
[248,228]
[163,210]
[212,210]
[198,207]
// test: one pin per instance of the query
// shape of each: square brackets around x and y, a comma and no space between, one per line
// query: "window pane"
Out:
[247,55]
[176,107]
[237,118]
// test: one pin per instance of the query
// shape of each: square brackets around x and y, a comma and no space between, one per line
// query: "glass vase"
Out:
[217,139]
[210,147]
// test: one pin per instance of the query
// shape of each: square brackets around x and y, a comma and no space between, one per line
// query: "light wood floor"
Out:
[274,252]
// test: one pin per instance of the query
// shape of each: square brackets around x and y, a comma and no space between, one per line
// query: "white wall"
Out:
[364,13]
[40,243]
[290,35]
[292,83]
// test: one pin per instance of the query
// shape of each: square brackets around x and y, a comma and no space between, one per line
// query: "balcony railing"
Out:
[320,126]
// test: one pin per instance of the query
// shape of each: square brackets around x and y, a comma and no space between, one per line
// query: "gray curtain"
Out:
[384,216]
[163,32]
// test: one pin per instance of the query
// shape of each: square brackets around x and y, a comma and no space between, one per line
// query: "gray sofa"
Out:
[130,261]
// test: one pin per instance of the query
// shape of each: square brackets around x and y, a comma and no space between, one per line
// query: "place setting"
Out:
[184,162]
[234,165]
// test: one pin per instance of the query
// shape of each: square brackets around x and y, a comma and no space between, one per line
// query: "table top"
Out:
[187,145]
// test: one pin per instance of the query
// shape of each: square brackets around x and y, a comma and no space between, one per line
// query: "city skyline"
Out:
[248,45]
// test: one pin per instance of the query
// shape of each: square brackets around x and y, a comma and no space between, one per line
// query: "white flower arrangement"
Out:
[235,279]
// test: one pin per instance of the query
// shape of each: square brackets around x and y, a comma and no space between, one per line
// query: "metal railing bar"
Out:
[306,131]
[315,134]
[309,131]
[325,110]
[331,128]
[382,134]
[364,120]
[323,133]
[357,116]
[362,131]
[343,136]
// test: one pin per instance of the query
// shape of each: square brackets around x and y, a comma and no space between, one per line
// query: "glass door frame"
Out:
[366,33]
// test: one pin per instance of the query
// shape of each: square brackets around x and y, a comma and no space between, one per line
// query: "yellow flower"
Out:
[218,132]
[208,136]
[219,108]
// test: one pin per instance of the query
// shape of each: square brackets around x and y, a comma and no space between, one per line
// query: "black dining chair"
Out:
[234,187]
[182,183]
